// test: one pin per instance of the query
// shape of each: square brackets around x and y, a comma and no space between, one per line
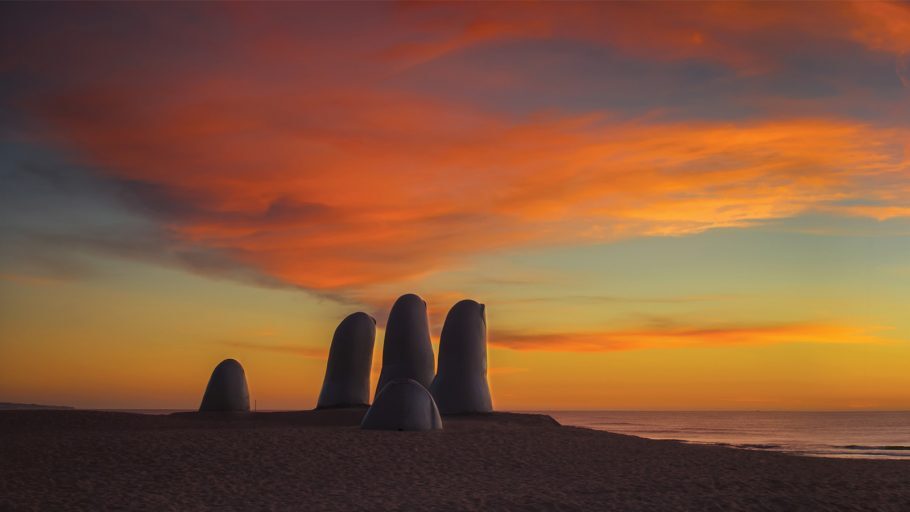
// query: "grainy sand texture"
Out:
[321,460]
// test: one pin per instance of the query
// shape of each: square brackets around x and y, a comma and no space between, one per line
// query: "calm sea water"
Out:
[826,434]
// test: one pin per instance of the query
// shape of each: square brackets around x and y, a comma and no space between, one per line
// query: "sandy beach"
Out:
[84,460]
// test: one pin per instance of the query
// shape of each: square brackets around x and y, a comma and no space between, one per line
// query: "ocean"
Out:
[871,435]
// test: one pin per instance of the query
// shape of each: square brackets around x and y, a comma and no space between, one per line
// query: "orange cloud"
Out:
[883,26]
[682,337]
[331,178]
[721,31]
[400,187]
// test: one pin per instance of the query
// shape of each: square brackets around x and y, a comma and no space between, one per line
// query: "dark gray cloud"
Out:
[57,218]
[185,205]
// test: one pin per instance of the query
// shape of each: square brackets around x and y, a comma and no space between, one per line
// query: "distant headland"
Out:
[9,406]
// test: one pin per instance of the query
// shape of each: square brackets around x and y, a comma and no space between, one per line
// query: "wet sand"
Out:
[83,460]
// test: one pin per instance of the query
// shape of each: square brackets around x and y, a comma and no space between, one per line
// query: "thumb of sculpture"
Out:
[402,404]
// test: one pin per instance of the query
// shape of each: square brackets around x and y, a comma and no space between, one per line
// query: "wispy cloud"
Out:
[683,337]
[297,350]
[30,280]
[617,299]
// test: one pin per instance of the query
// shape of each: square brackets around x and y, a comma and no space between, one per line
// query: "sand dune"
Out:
[80,460]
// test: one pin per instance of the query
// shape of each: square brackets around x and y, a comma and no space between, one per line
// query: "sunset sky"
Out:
[663,206]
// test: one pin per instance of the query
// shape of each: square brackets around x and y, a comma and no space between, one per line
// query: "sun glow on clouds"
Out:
[343,210]
[331,179]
